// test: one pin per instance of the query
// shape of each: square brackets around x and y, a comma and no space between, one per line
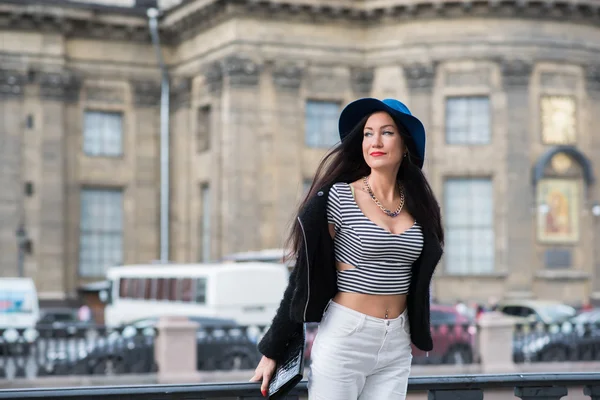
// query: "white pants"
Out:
[356,356]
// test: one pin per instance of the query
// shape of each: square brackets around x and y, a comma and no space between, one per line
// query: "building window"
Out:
[558,120]
[103,134]
[468,120]
[321,118]
[205,228]
[203,129]
[469,216]
[100,231]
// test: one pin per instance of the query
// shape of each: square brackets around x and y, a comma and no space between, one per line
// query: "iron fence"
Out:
[467,387]
[100,350]
[81,349]
[566,341]
[75,350]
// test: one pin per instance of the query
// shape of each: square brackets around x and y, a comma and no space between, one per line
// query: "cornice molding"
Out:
[106,23]
[241,70]
[362,79]
[181,92]
[237,69]
[193,16]
[146,93]
[420,76]
[592,75]
[516,72]
[288,76]
[213,76]
[11,83]
[61,86]
[189,18]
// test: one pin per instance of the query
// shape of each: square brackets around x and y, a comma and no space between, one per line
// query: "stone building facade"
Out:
[509,94]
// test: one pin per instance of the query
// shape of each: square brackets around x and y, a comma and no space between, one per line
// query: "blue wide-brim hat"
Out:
[354,112]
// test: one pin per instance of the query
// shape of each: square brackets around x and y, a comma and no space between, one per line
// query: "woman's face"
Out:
[382,144]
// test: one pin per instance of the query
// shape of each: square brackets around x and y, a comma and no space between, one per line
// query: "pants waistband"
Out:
[398,321]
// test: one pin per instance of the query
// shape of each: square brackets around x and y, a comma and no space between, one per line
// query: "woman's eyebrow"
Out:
[384,126]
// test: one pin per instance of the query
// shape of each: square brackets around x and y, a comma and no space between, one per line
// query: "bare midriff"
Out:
[374,305]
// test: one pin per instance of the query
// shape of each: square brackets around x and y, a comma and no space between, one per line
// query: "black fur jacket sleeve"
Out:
[283,327]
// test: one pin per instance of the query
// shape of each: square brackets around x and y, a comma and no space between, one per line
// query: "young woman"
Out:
[366,240]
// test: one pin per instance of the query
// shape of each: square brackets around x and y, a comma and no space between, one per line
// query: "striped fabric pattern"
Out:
[382,260]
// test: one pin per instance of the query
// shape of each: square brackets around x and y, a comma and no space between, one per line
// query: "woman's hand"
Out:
[264,371]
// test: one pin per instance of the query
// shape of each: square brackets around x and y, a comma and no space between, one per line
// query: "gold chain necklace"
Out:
[385,210]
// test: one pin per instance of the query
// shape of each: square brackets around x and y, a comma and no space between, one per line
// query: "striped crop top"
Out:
[382,260]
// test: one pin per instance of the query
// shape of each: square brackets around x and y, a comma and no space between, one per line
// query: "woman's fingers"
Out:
[257,375]
[265,382]
[264,371]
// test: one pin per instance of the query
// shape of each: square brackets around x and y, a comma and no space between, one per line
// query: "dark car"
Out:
[453,337]
[577,339]
[63,320]
[222,344]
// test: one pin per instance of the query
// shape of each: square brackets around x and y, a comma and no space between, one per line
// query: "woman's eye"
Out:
[368,133]
[388,133]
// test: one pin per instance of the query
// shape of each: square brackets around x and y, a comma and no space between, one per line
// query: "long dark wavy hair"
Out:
[345,163]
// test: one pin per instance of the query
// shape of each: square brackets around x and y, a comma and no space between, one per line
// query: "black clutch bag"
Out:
[290,369]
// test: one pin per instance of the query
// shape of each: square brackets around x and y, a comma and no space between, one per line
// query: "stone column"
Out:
[142,231]
[58,91]
[11,196]
[182,186]
[211,165]
[420,78]
[240,154]
[285,165]
[519,197]
[593,102]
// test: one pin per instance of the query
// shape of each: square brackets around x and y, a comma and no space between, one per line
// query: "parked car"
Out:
[586,326]
[61,319]
[577,339]
[533,311]
[453,337]
[222,344]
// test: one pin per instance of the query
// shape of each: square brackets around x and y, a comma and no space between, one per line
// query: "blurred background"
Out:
[139,138]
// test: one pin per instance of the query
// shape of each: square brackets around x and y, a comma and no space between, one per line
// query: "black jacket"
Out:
[313,282]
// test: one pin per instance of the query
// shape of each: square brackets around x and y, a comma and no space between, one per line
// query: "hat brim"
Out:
[354,113]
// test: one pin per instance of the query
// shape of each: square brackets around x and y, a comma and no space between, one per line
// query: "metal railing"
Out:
[75,350]
[469,387]
[567,341]
[99,350]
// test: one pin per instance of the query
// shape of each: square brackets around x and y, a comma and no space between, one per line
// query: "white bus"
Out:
[248,293]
